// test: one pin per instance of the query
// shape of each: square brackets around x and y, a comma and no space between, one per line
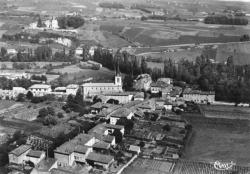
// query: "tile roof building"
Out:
[19,155]
[92,89]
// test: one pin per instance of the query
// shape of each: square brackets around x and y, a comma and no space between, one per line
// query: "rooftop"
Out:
[111,126]
[122,112]
[105,159]
[40,86]
[72,86]
[99,85]
[35,153]
[101,145]
[45,164]
[189,91]
[73,145]
[20,150]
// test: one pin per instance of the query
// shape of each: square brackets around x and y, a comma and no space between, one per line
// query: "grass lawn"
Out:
[219,139]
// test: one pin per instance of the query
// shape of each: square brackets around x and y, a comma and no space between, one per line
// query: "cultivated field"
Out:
[149,166]
[190,167]
[239,51]
[219,139]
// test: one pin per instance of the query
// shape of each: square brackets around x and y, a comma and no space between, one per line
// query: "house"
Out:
[40,89]
[134,149]
[100,160]
[19,155]
[199,96]
[52,24]
[75,150]
[102,133]
[120,113]
[101,146]
[168,106]
[11,51]
[45,166]
[72,89]
[122,97]
[14,74]
[139,96]
[163,85]
[111,128]
[35,156]
[93,89]
[79,51]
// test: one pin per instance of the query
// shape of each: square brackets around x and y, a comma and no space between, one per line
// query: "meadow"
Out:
[218,139]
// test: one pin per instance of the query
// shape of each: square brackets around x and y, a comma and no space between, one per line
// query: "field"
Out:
[219,139]
[239,51]
[149,166]
[190,167]
[76,74]
[228,112]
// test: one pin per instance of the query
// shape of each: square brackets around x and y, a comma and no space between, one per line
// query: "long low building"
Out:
[199,96]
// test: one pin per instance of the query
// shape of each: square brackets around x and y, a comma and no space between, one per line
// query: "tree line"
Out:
[230,82]
[225,20]
[70,21]
[41,53]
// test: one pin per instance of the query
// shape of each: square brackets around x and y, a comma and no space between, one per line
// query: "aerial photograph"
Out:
[124,86]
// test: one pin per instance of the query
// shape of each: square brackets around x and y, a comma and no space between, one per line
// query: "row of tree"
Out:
[70,21]
[230,82]
[41,53]
[225,20]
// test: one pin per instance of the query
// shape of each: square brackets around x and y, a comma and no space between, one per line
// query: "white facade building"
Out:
[72,89]
[40,89]
[92,89]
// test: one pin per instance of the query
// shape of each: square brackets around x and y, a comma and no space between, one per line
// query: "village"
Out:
[113,87]
[130,125]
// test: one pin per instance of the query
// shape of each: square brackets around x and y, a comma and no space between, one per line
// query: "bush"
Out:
[60,115]
[20,97]
[166,128]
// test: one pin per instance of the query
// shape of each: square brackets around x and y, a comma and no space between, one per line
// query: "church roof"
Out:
[99,85]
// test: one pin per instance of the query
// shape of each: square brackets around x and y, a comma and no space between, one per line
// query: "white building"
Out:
[11,51]
[18,155]
[52,24]
[40,89]
[35,156]
[92,89]
[72,89]
[199,96]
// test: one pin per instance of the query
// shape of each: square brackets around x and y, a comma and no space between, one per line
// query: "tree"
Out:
[60,115]
[244,38]
[113,101]
[29,95]
[20,97]
[166,128]
[3,51]
[43,112]
[51,111]
[39,22]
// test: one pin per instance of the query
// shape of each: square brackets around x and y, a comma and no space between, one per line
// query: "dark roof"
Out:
[20,150]
[35,153]
[101,145]
[108,138]
[112,126]
[198,92]
[105,159]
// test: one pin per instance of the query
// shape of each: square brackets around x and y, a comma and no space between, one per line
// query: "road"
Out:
[181,45]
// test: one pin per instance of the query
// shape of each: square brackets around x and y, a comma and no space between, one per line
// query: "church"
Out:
[93,89]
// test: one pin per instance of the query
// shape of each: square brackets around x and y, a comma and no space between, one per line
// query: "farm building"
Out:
[40,89]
